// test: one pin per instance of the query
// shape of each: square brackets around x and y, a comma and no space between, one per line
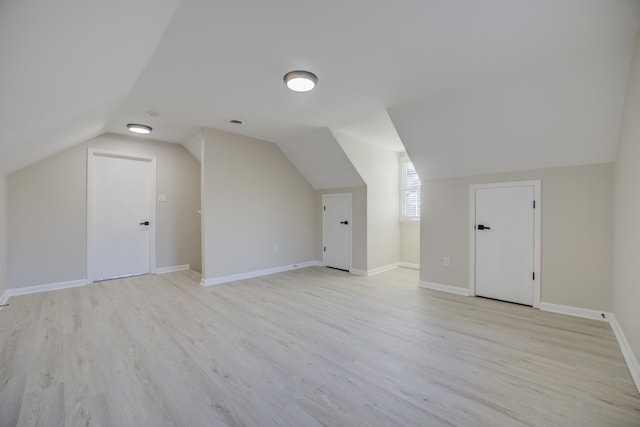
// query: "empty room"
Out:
[286,213]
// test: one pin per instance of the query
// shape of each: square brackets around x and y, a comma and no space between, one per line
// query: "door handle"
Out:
[483,227]
[344,222]
[144,223]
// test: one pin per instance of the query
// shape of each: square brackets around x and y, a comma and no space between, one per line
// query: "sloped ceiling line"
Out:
[73,69]
[321,160]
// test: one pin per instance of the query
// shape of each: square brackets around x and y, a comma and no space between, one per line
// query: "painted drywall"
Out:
[380,170]
[626,270]
[3,233]
[358,224]
[259,212]
[81,61]
[319,157]
[577,228]
[47,206]
[565,111]
[410,243]
[194,145]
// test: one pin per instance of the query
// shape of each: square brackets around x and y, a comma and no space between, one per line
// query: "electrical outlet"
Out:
[446,261]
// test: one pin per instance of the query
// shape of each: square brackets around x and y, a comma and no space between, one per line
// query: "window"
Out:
[409,191]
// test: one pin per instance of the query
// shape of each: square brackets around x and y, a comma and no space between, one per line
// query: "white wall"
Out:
[253,199]
[47,204]
[626,271]
[194,145]
[410,243]
[577,232]
[3,234]
[380,170]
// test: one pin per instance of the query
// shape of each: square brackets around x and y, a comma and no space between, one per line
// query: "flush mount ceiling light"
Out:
[141,129]
[300,81]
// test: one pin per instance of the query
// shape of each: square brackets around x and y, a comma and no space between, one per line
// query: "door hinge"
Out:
[534,204]
[324,248]
[534,275]
[324,208]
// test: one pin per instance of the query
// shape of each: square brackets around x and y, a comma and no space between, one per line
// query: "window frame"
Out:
[403,192]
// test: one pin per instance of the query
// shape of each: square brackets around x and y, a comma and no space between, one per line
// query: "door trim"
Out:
[95,152]
[350,243]
[536,233]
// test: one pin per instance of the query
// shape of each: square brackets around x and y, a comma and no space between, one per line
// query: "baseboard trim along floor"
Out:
[444,288]
[629,357]
[72,284]
[313,346]
[258,273]
[584,313]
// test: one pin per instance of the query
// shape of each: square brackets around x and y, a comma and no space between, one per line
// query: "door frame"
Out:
[92,153]
[536,232]
[349,240]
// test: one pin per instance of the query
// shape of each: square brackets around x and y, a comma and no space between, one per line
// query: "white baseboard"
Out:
[71,284]
[575,311]
[44,288]
[378,270]
[173,268]
[383,269]
[251,274]
[409,265]
[629,356]
[4,298]
[358,272]
[445,288]
[603,316]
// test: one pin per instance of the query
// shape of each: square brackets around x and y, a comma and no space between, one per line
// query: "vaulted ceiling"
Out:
[456,82]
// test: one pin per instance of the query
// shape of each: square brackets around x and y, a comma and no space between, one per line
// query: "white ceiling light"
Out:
[141,129]
[300,81]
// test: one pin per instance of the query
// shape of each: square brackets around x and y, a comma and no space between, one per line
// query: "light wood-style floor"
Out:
[303,348]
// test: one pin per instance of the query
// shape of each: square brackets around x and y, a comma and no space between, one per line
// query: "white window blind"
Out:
[410,191]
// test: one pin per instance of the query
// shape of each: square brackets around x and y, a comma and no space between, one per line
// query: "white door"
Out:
[336,230]
[504,243]
[121,196]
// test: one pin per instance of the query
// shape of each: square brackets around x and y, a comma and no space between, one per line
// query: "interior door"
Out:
[120,215]
[336,230]
[504,243]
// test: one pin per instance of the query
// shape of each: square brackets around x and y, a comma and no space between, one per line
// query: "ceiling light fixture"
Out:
[141,129]
[300,81]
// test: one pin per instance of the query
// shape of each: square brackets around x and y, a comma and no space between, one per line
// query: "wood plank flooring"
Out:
[311,347]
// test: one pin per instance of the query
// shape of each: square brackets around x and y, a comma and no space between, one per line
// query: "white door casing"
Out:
[336,230]
[121,190]
[505,255]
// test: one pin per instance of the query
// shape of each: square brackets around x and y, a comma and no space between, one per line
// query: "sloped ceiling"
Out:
[319,157]
[66,66]
[72,69]
[561,112]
